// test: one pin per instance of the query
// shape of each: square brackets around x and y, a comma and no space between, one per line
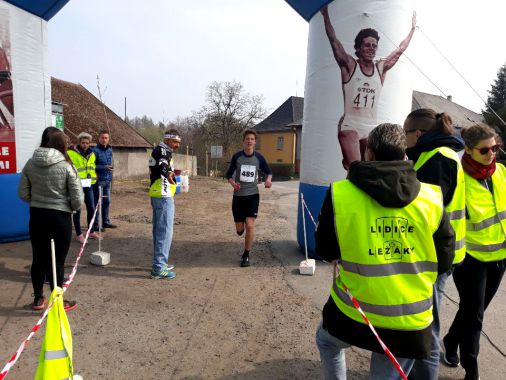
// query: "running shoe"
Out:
[164,273]
[245,261]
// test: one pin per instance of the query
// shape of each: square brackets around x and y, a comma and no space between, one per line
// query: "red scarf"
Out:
[477,170]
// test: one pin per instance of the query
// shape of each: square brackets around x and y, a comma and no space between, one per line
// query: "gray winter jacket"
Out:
[48,181]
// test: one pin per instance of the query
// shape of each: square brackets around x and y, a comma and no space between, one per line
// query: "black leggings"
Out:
[46,224]
[477,282]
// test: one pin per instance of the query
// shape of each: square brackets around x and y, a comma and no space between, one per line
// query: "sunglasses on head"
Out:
[485,150]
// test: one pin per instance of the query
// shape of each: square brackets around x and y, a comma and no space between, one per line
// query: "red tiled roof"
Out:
[83,112]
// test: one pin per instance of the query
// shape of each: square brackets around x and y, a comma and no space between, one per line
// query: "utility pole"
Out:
[207,165]
[187,164]
[125,109]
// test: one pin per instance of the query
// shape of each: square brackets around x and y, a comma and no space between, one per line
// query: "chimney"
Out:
[449,97]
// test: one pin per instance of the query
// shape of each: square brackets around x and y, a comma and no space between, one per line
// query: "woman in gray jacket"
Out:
[51,185]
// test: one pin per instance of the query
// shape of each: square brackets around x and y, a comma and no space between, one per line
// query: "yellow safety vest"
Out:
[456,208]
[55,360]
[85,166]
[388,257]
[162,188]
[486,226]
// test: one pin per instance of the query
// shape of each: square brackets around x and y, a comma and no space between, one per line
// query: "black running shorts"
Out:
[245,207]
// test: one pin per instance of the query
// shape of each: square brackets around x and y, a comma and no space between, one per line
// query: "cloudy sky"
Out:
[161,54]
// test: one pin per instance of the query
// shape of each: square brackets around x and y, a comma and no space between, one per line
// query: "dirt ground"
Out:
[215,320]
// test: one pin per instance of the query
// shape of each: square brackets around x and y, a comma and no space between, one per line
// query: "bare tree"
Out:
[103,104]
[227,113]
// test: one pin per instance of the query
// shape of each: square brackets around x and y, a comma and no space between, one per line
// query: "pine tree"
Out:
[497,94]
[497,101]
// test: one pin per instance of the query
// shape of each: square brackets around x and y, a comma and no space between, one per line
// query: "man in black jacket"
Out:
[387,185]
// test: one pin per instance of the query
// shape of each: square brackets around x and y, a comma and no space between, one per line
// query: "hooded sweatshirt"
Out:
[49,181]
[392,184]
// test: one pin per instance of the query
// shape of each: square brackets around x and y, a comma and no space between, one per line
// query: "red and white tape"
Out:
[17,354]
[309,213]
[357,306]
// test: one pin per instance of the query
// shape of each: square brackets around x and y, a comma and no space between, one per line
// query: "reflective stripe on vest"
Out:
[487,222]
[57,354]
[486,226]
[456,208]
[387,310]
[389,260]
[369,270]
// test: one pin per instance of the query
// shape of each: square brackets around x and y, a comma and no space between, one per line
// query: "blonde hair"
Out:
[84,136]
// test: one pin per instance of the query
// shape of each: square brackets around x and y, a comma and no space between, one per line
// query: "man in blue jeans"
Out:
[392,237]
[104,168]
[161,191]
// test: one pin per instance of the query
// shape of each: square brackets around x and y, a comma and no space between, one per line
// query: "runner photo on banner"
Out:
[7,137]
[357,76]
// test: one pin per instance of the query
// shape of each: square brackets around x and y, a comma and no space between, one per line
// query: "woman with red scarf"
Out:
[480,275]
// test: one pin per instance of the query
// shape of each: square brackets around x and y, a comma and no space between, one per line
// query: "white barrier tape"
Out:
[16,356]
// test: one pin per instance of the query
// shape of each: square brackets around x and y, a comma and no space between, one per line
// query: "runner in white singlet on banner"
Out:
[362,80]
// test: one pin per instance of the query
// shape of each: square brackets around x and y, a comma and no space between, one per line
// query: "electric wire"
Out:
[463,78]
[407,57]
[446,59]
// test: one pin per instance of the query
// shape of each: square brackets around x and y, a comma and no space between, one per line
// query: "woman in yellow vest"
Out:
[433,147]
[83,159]
[480,275]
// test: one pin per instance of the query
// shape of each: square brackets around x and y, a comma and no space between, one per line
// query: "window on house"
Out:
[257,145]
[280,143]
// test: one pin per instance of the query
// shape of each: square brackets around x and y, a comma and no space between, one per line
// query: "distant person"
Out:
[104,169]
[83,159]
[161,191]
[391,237]
[242,174]
[51,185]
[362,81]
[481,273]
[433,147]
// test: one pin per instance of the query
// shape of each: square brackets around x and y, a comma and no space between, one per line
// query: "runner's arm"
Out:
[266,169]
[230,172]
[394,56]
[343,59]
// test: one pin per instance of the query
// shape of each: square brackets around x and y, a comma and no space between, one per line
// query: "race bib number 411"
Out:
[248,173]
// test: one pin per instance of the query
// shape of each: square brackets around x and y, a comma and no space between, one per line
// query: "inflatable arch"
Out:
[345,93]
[25,100]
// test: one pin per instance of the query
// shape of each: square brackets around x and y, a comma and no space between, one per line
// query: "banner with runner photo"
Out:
[7,130]
[357,77]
